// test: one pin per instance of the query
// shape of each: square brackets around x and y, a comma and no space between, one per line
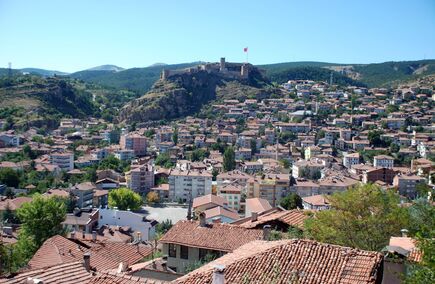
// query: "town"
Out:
[159,202]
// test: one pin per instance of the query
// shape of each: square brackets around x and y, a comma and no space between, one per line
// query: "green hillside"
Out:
[135,79]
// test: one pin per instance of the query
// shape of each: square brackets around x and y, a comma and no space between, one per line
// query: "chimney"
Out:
[219,274]
[404,233]
[122,267]
[73,235]
[202,222]
[266,232]
[165,266]
[254,216]
[87,261]
[94,236]
[83,234]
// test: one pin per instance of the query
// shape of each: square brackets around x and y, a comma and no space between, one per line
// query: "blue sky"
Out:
[75,35]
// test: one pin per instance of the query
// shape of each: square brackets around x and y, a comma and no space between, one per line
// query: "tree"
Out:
[9,177]
[164,160]
[363,217]
[375,138]
[229,159]
[253,146]
[394,148]
[291,201]
[41,219]
[124,198]
[152,197]
[175,135]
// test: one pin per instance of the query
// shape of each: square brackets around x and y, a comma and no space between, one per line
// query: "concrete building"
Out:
[85,194]
[383,161]
[65,161]
[184,185]
[137,222]
[125,155]
[134,142]
[351,159]
[406,184]
[271,187]
[140,178]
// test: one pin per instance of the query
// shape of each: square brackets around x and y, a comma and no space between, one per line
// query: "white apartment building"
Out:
[65,161]
[383,161]
[184,185]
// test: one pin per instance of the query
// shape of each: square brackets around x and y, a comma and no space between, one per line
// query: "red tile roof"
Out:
[58,249]
[301,261]
[222,237]
[294,218]
[115,278]
[65,273]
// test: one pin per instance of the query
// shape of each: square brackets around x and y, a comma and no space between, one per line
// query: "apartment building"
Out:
[134,142]
[65,160]
[351,159]
[189,184]
[271,187]
[383,161]
[140,178]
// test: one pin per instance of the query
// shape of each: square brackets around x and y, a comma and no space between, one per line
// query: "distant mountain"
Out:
[139,80]
[43,72]
[108,67]
[157,64]
[372,75]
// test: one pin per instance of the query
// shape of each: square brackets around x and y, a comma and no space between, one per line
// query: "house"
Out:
[256,205]
[407,185]
[162,191]
[137,222]
[59,250]
[373,175]
[13,204]
[266,260]
[202,203]
[188,242]
[277,218]
[81,221]
[220,214]
[303,188]
[383,161]
[100,198]
[316,202]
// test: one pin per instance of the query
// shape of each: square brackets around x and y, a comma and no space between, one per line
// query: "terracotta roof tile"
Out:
[222,237]
[285,261]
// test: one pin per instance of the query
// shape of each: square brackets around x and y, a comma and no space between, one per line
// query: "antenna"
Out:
[10,69]
[330,79]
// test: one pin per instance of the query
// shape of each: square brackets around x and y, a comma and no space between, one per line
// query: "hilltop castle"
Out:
[222,68]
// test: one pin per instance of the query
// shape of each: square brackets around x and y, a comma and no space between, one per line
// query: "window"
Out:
[184,252]
[172,250]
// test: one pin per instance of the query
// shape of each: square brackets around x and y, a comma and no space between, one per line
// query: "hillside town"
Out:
[224,197]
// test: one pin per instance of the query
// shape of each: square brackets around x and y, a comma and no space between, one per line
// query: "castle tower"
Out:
[244,72]
[165,74]
[222,64]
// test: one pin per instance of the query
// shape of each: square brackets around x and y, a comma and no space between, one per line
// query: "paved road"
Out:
[162,213]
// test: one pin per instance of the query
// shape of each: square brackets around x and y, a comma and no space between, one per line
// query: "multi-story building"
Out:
[134,142]
[383,161]
[373,175]
[124,155]
[407,184]
[271,187]
[186,185]
[84,193]
[351,159]
[140,178]
[233,194]
[65,160]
